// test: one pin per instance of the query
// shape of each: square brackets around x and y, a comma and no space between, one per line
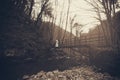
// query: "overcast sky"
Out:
[77,7]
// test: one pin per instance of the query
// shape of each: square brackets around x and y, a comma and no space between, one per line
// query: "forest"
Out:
[30,29]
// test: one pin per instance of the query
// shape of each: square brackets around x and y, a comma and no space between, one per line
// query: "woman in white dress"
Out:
[57,43]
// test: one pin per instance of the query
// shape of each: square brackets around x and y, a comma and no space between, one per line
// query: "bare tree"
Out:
[45,9]
[66,19]
[31,7]
[108,8]
[72,25]
[61,21]
[99,10]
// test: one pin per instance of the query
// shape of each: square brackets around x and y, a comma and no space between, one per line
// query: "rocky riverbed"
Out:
[76,73]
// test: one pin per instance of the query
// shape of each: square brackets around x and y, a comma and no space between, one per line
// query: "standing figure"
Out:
[57,43]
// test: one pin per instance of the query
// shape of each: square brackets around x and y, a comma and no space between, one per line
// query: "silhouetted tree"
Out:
[108,7]
[31,7]
[44,10]
[67,18]
[17,31]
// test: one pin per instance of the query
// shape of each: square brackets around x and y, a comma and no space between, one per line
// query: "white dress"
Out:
[57,43]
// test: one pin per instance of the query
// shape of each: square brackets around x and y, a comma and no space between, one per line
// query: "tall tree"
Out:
[45,9]
[108,7]
[67,18]
[31,7]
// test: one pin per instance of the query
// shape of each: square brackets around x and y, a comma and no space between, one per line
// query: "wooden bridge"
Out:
[86,41]
[86,45]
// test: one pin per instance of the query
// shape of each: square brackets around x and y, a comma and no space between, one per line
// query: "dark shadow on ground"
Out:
[16,68]
[11,70]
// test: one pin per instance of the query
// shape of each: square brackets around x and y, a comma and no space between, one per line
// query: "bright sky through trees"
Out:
[81,9]
[78,8]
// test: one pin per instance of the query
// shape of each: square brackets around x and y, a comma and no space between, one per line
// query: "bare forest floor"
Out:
[65,68]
